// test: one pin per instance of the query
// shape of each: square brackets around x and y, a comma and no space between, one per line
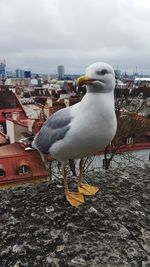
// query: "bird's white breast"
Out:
[92,128]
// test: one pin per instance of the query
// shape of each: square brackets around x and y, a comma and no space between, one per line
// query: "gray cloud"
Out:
[45,33]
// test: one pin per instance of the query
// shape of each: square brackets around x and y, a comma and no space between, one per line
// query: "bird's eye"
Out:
[102,72]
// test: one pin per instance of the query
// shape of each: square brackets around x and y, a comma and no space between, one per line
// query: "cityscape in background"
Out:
[27,73]
[27,99]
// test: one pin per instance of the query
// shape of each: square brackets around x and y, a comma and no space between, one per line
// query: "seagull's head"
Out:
[99,78]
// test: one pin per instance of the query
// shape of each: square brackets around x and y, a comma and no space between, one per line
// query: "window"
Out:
[2,172]
[23,169]
[8,115]
[130,141]
[1,128]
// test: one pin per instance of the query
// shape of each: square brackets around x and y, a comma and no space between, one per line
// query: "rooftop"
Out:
[40,228]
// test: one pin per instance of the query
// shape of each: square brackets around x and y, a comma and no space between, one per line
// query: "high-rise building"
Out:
[2,69]
[2,72]
[19,73]
[61,72]
[27,72]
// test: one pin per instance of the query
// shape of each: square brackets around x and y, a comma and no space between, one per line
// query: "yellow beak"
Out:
[83,80]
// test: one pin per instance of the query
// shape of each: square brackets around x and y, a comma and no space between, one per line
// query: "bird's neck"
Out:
[99,102]
[102,98]
[94,88]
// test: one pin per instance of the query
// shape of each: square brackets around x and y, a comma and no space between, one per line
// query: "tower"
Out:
[2,72]
[27,72]
[19,73]
[60,72]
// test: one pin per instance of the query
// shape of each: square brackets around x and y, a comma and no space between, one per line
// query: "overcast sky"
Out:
[43,34]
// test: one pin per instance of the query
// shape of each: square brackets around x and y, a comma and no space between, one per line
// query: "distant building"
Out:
[10,107]
[118,74]
[2,68]
[17,82]
[10,74]
[19,73]
[27,72]
[61,72]
[18,165]
[2,72]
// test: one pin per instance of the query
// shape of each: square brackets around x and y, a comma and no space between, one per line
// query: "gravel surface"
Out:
[39,228]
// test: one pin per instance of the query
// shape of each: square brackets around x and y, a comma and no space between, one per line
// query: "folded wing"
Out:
[53,130]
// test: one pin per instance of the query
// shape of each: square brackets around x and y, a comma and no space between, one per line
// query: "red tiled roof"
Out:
[11,150]
[22,122]
[10,157]
[3,139]
[11,111]
[37,125]
[23,162]
[2,167]
[9,104]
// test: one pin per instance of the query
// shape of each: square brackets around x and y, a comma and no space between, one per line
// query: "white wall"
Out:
[10,131]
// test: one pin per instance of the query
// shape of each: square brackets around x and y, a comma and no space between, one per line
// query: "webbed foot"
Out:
[87,189]
[75,198]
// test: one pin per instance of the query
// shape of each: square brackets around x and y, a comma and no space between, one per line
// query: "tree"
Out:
[131,127]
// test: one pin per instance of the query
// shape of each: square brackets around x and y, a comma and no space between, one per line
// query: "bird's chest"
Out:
[93,129]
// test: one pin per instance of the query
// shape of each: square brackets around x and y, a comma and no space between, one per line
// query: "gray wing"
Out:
[53,129]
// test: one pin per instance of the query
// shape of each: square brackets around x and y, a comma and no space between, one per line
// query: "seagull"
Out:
[83,129]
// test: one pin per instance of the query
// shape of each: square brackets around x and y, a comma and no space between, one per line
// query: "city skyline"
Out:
[75,34]
[56,71]
[60,72]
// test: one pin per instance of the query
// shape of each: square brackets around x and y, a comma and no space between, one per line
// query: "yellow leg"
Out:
[74,198]
[83,188]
